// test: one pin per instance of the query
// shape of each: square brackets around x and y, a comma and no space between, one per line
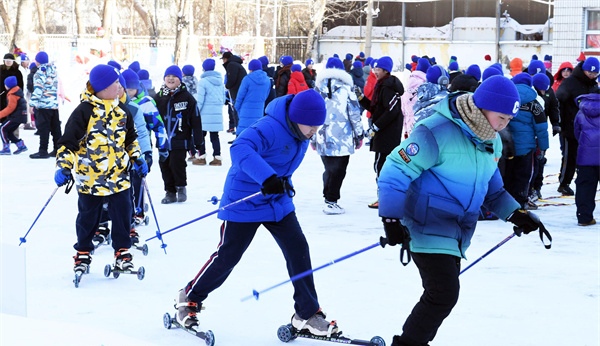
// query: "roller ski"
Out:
[186,318]
[82,266]
[317,328]
[135,242]
[123,265]
[140,218]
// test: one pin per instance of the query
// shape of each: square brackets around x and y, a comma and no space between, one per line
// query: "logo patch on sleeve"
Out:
[404,156]
[412,149]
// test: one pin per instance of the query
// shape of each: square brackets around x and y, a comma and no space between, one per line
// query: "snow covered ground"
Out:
[520,295]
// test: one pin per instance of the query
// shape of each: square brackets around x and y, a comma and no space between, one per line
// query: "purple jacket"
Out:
[587,130]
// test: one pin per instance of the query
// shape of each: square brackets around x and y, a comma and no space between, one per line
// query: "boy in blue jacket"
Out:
[432,186]
[264,157]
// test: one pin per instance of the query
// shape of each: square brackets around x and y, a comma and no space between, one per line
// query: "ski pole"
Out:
[22,239]
[255,294]
[159,234]
[489,252]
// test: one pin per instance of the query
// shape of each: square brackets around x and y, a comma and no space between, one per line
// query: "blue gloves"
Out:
[141,167]
[148,158]
[62,176]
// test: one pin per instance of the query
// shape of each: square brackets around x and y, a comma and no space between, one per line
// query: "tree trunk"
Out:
[79,17]
[5,18]
[145,15]
[212,18]
[181,35]
[317,12]
[23,26]
[41,16]
[107,17]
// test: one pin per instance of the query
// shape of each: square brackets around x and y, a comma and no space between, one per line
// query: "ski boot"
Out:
[20,147]
[135,241]
[316,325]
[186,311]
[82,265]
[5,149]
[170,197]
[181,194]
[102,235]
[123,260]
[140,218]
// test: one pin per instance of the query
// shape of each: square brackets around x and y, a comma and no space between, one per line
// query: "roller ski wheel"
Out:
[108,269]
[143,248]
[287,333]
[208,336]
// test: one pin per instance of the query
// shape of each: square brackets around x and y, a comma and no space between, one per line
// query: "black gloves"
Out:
[556,130]
[395,232]
[273,186]
[148,158]
[525,221]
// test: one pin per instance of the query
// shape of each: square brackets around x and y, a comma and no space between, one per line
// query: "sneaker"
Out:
[123,259]
[39,155]
[201,161]
[170,197]
[192,157]
[20,147]
[186,311]
[231,130]
[530,206]
[316,325]
[533,197]
[593,222]
[5,149]
[82,261]
[135,237]
[216,161]
[181,194]
[332,208]
[374,205]
[565,190]
[29,126]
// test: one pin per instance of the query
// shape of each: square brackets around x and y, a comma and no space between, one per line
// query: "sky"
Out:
[521,294]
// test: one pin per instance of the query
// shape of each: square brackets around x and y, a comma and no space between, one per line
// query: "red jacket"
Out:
[296,83]
[370,88]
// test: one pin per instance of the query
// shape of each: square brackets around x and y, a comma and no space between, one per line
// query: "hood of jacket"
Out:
[260,77]
[526,93]
[589,104]
[334,73]
[213,77]
[234,58]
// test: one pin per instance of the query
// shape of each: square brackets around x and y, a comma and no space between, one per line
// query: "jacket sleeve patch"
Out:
[404,156]
[412,149]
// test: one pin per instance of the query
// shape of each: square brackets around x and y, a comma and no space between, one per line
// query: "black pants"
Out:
[538,173]
[214,140]
[518,176]
[47,122]
[7,130]
[333,177]
[235,239]
[439,276]
[173,170]
[233,116]
[89,216]
[569,147]
[137,194]
[586,184]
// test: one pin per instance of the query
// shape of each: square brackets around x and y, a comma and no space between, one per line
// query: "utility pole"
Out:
[369,28]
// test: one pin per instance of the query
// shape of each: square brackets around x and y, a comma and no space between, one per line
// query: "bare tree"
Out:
[41,16]
[79,17]
[23,25]
[145,15]
[107,24]
[5,18]
[181,34]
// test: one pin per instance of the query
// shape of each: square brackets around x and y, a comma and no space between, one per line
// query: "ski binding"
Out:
[208,336]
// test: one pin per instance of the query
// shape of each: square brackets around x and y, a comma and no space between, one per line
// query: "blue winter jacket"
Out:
[211,98]
[267,147]
[436,180]
[587,130]
[529,130]
[251,97]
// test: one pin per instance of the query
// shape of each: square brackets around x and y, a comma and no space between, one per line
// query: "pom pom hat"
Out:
[255,65]
[102,76]
[10,82]
[308,108]
[264,60]
[453,66]
[208,65]
[308,62]
[497,94]
[174,70]
[357,64]
[591,64]
[135,66]
[385,63]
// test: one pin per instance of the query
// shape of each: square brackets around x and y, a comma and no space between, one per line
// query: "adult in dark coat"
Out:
[283,75]
[234,73]
[581,81]
[310,75]
[9,68]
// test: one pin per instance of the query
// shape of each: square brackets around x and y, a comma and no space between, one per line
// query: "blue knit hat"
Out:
[498,66]
[122,81]
[497,94]
[385,63]
[135,66]
[308,108]
[474,71]
[357,64]
[540,81]
[361,54]
[534,57]
[114,64]
[490,71]
[336,56]
[174,70]
[102,76]
[143,74]
[437,75]
[41,58]
[255,65]
[591,64]
[536,66]
[368,61]
[547,57]
[132,80]
[414,58]
[423,65]
[453,66]
[334,63]
[188,70]
[309,62]
[208,65]
[286,60]
[32,65]
[296,68]
[10,82]
[349,56]
[264,61]
[408,67]
[522,78]
[372,64]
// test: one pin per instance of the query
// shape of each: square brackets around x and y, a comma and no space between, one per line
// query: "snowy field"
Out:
[522,294]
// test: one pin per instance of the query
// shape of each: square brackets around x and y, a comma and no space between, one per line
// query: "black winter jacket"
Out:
[575,85]
[235,72]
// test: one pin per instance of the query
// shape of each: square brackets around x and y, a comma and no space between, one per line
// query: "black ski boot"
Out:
[82,262]
[102,235]
[186,311]
[170,197]
[181,194]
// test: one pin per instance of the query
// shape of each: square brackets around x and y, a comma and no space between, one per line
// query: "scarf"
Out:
[164,90]
[474,118]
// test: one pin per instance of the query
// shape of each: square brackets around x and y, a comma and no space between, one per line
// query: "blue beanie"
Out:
[474,71]
[591,64]
[264,61]
[497,94]
[490,71]
[308,108]
[522,78]
[348,56]
[437,75]
[102,76]
[296,68]
[453,66]
[408,67]
[188,70]
[414,58]
[255,65]
[336,56]
[534,57]
[385,63]
[144,74]
[32,65]
[135,66]
[547,57]
[308,62]
[41,58]
[357,64]
[132,80]
[361,54]
[423,65]
[286,60]
[536,66]
[10,82]
[453,58]
[498,67]
[334,63]
[373,62]
[368,61]
[208,65]
[114,64]
[174,70]
[122,81]
[540,81]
